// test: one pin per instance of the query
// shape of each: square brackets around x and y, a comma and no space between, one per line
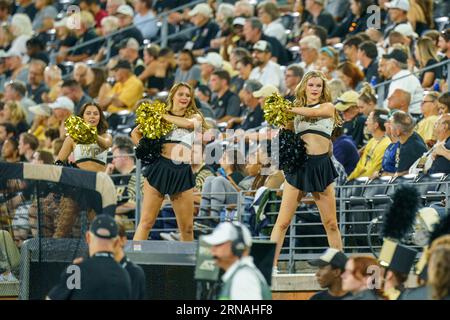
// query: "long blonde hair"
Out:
[427,50]
[192,107]
[17,112]
[300,93]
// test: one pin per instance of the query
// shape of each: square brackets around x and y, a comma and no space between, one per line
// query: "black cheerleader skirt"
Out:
[315,176]
[169,177]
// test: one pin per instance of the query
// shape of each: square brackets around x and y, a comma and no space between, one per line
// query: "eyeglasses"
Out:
[423,102]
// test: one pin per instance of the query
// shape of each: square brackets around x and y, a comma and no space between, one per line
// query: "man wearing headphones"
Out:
[231,243]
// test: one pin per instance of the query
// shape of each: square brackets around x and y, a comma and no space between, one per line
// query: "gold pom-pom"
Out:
[150,120]
[80,131]
[276,110]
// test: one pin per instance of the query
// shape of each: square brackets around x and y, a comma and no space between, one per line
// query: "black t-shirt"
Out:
[278,50]
[355,129]
[325,19]
[436,71]
[203,36]
[89,49]
[36,94]
[441,164]
[227,105]
[30,10]
[372,71]
[137,277]
[253,119]
[101,278]
[236,84]
[237,176]
[409,152]
[325,295]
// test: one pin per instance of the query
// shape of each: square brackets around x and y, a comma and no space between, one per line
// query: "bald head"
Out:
[399,100]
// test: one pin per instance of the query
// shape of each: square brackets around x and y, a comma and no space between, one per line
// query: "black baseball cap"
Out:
[398,55]
[122,64]
[104,226]
[332,257]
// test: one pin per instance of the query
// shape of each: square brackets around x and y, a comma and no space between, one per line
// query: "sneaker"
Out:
[166,236]
[175,235]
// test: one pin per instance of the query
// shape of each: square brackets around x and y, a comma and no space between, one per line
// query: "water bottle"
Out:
[373,81]
[436,86]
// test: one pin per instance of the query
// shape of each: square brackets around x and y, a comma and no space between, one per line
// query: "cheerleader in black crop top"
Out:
[169,175]
[315,118]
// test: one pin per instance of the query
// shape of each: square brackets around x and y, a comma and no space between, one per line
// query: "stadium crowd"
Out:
[235,54]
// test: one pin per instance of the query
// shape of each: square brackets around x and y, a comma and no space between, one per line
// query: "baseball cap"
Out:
[331,256]
[227,231]
[13,53]
[41,110]
[398,4]
[130,43]
[398,55]
[240,21]
[347,100]
[122,64]
[262,45]
[104,226]
[125,10]
[212,58]
[406,30]
[62,102]
[203,9]
[266,91]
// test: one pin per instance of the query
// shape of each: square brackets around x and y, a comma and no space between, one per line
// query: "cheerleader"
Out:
[171,173]
[315,118]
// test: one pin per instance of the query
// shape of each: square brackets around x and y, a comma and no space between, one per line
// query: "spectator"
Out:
[244,68]
[357,277]
[253,32]
[201,17]
[351,46]
[266,71]
[51,134]
[26,7]
[338,8]
[328,61]
[57,146]
[344,150]
[28,144]
[444,46]
[396,69]
[129,50]
[441,151]
[354,22]
[318,15]
[430,111]
[225,21]
[367,58]
[7,130]
[42,113]
[18,70]
[72,89]
[426,55]
[5,12]
[373,153]
[269,15]
[411,144]
[93,6]
[315,30]
[127,30]
[22,30]
[127,90]
[444,103]
[46,13]
[243,8]
[109,48]
[337,88]
[225,103]
[10,150]
[439,273]
[92,80]
[62,108]
[331,266]
[309,51]
[212,61]
[293,76]
[36,86]
[16,91]
[85,34]
[14,113]
[367,100]
[42,157]
[188,70]
[353,121]
[36,50]
[399,100]
[201,172]
[65,38]
[253,115]
[113,5]
[53,80]
[398,14]
[159,73]
[351,75]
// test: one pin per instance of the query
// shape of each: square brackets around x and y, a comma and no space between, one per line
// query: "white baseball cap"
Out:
[262,45]
[406,30]
[228,231]
[240,21]
[398,4]
[203,9]
[266,91]
[41,110]
[63,102]
[125,10]
[212,58]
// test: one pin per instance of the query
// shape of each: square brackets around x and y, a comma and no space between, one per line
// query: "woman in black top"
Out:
[426,56]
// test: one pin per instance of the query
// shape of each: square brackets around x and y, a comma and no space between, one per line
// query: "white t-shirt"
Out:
[276,29]
[270,74]
[246,285]
[410,84]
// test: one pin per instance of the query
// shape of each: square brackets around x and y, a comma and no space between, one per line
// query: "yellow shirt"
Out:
[425,128]
[128,92]
[371,158]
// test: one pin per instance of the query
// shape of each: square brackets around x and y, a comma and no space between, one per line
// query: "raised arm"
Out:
[326,110]
[104,141]
[183,122]
[66,149]
[136,135]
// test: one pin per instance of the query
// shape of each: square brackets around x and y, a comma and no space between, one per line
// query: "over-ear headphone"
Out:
[238,245]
